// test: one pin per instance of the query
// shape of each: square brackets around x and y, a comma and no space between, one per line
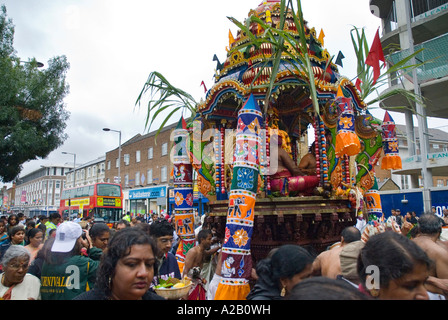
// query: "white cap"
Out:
[67,234]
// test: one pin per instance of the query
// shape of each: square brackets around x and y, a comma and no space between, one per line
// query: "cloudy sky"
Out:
[112,46]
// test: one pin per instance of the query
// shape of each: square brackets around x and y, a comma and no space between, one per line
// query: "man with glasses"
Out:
[163,232]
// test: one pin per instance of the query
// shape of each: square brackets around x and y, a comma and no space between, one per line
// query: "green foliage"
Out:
[164,96]
[282,41]
[394,71]
[32,113]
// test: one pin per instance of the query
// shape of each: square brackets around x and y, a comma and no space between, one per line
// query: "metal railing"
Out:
[434,56]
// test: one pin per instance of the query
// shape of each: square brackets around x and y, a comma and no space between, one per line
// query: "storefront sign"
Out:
[431,12]
[148,193]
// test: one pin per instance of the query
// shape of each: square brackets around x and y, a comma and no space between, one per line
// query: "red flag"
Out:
[205,88]
[375,55]
[358,84]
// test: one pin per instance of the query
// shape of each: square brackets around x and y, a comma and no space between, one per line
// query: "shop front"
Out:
[146,201]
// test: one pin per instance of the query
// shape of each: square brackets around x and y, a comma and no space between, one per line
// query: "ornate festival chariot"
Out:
[283,213]
[267,87]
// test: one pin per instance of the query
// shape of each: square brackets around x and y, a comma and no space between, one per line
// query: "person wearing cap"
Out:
[66,273]
[398,217]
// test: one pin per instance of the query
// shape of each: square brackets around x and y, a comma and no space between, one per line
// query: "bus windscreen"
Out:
[108,190]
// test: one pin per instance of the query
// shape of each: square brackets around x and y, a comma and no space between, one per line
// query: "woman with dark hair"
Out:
[127,268]
[278,274]
[324,288]
[13,220]
[35,239]
[3,233]
[41,256]
[393,267]
[16,237]
[99,234]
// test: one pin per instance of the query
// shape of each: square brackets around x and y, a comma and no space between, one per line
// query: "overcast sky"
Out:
[112,46]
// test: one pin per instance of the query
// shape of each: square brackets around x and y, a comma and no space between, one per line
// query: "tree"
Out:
[32,112]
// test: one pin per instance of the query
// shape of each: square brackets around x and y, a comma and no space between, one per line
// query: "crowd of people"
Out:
[51,259]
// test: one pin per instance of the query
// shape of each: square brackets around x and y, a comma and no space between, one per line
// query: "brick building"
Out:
[145,171]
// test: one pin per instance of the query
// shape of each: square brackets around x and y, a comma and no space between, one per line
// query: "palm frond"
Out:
[281,41]
[163,97]
[394,71]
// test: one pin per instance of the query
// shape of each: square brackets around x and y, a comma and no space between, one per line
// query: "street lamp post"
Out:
[74,166]
[74,181]
[119,151]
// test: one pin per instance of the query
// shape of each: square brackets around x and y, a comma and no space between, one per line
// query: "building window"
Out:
[108,165]
[117,163]
[88,172]
[404,182]
[150,153]
[404,142]
[137,156]
[165,149]
[137,178]
[126,159]
[440,182]
[149,176]
[126,180]
[163,174]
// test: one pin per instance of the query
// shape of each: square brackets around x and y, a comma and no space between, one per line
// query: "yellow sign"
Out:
[77,202]
[109,202]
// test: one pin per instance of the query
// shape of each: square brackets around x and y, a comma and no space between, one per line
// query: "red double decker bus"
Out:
[99,200]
